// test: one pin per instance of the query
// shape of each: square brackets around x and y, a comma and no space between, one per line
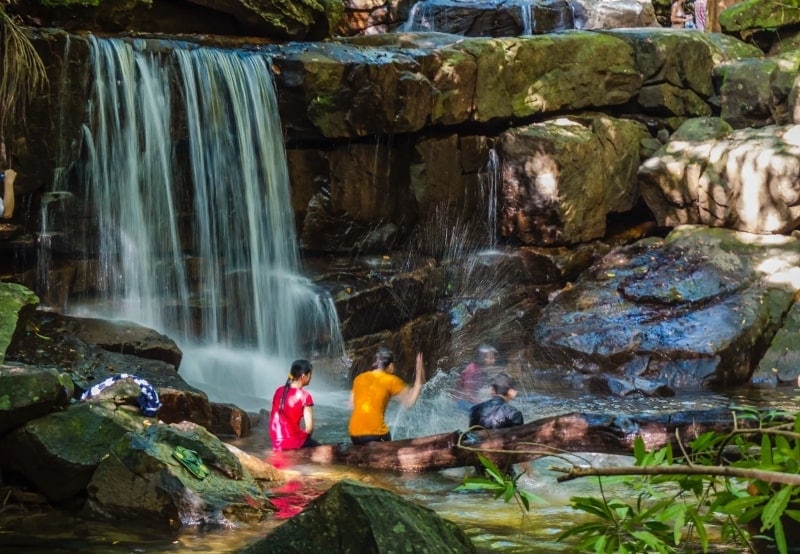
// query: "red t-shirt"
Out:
[284,425]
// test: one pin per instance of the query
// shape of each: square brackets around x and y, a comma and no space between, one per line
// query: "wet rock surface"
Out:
[695,310]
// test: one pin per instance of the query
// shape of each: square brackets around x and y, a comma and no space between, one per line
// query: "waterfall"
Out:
[209,255]
[490,182]
[526,11]
[422,17]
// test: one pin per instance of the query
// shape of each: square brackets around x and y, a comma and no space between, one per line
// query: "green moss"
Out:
[760,14]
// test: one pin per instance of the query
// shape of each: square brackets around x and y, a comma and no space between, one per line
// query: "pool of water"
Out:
[493,525]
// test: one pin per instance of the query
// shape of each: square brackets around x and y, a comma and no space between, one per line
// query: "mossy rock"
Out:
[13,300]
[361,519]
[758,15]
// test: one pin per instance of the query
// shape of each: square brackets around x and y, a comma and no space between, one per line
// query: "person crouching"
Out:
[497,413]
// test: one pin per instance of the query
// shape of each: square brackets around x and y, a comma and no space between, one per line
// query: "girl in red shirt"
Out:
[292,404]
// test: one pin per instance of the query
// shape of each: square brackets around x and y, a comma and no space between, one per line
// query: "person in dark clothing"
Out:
[497,413]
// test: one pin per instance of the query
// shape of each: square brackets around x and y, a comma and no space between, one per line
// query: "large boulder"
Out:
[747,180]
[781,362]
[124,337]
[677,68]
[562,177]
[59,452]
[53,341]
[759,91]
[695,310]
[751,16]
[29,392]
[402,84]
[142,479]
[358,518]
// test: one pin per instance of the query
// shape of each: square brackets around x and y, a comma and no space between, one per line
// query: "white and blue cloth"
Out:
[148,400]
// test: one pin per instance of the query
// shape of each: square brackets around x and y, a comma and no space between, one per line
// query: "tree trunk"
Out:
[574,432]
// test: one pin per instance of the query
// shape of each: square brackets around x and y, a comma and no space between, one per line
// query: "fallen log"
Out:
[573,432]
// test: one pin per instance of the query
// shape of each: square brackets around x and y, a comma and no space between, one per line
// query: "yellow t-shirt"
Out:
[372,391]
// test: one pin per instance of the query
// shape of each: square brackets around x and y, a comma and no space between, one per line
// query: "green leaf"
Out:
[639,450]
[780,537]
[775,507]
[700,528]
[650,540]
[766,450]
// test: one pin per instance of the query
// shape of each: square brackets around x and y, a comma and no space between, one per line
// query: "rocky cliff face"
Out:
[440,145]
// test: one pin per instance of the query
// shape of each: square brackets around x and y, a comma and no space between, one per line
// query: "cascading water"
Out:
[209,256]
[526,12]
[420,18]
[490,180]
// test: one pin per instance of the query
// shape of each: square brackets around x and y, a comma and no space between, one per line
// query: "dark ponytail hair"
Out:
[299,368]
[383,357]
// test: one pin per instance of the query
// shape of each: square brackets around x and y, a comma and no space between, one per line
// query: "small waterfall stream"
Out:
[209,255]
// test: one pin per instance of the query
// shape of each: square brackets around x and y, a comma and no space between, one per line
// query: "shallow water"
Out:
[492,524]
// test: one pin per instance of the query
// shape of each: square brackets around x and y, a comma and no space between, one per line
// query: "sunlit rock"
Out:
[677,68]
[403,89]
[613,14]
[561,178]
[746,180]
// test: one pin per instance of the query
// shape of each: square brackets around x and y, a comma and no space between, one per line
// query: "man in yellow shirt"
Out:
[371,393]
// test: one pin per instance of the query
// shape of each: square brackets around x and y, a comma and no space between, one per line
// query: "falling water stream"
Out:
[196,238]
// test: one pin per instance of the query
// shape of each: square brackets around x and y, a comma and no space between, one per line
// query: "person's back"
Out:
[291,405]
[497,413]
[494,413]
[372,392]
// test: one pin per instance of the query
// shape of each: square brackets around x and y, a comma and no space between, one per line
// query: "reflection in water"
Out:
[491,524]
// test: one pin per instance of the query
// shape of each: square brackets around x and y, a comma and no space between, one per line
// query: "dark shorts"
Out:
[364,439]
[309,443]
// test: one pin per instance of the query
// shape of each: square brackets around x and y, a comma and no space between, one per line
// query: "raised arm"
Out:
[410,394]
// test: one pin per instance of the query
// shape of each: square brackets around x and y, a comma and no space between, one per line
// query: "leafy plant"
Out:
[730,481]
[499,483]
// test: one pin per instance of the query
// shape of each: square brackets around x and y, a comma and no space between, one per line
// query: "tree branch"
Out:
[721,471]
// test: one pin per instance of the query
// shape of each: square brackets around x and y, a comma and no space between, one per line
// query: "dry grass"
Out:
[22,76]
